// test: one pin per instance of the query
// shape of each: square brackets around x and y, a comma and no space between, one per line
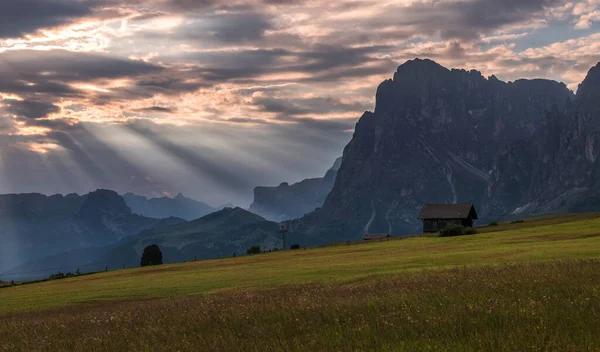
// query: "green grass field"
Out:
[528,286]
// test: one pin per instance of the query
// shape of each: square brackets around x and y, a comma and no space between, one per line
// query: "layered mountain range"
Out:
[287,201]
[164,207]
[454,136]
[98,231]
[514,149]
[35,225]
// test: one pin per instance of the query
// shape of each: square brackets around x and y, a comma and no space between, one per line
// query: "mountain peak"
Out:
[590,87]
[100,203]
[417,62]
[417,69]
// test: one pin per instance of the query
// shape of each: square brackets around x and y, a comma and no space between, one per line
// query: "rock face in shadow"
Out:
[286,201]
[34,226]
[449,136]
[557,169]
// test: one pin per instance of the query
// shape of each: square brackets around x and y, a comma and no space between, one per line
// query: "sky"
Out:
[211,98]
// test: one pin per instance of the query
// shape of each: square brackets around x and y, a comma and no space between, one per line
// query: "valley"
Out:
[479,291]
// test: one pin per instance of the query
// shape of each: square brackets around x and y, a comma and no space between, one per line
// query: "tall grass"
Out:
[571,240]
[524,307]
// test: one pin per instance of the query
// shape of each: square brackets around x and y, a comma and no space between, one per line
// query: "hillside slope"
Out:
[222,233]
[479,292]
[35,226]
[554,238]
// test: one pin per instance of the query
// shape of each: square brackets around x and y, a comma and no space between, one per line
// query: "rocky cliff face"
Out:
[440,136]
[293,201]
[557,169]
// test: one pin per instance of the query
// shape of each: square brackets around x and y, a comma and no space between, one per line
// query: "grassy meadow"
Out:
[527,286]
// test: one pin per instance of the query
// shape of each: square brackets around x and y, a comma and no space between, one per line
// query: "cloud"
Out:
[307,106]
[6,125]
[229,27]
[42,78]
[30,109]
[21,17]
[66,66]
[157,109]
[214,97]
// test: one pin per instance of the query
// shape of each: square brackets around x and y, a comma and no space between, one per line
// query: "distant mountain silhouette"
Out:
[223,233]
[286,201]
[36,226]
[218,234]
[179,206]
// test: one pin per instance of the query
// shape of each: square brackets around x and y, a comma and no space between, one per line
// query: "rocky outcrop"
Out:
[438,136]
[293,201]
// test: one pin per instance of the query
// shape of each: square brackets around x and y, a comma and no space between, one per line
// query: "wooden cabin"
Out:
[376,237]
[436,216]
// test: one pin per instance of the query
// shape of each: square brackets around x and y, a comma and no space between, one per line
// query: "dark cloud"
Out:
[467,20]
[59,124]
[322,62]
[157,109]
[17,86]
[228,28]
[304,106]
[29,109]
[26,16]
[43,77]
[67,66]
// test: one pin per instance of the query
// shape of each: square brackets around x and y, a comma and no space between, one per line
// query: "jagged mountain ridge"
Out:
[222,233]
[435,136]
[286,201]
[557,169]
[35,225]
[178,206]
[218,234]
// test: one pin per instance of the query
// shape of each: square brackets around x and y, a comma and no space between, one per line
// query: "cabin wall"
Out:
[435,225]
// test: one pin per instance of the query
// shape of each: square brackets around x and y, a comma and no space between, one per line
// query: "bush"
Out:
[152,256]
[295,246]
[58,275]
[470,231]
[253,250]
[452,230]
[518,222]
[493,223]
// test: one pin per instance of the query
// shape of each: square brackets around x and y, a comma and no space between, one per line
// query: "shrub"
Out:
[253,250]
[295,246]
[493,223]
[452,230]
[518,222]
[58,275]
[152,256]
[470,231]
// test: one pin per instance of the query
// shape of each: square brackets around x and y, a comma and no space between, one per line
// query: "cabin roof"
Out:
[376,236]
[447,211]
